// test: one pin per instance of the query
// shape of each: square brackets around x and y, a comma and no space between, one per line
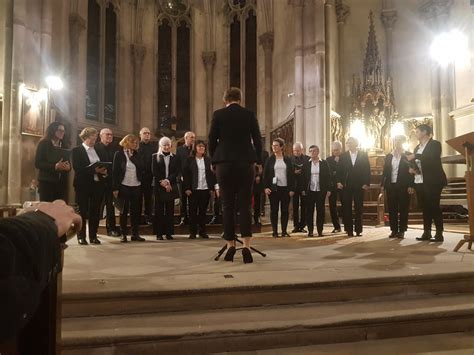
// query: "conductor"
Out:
[235,145]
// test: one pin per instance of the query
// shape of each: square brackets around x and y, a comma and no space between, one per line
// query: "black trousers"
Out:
[50,191]
[132,204]
[315,198]
[217,208]
[197,211]
[109,208]
[333,209]
[89,200]
[147,195]
[164,215]
[428,197]
[349,195]
[299,205]
[185,201]
[398,201]
[257,206]
[279,199]
[235,181]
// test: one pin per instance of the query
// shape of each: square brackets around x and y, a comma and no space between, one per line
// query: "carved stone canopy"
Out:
[266,40]
[389,17]
[342,12]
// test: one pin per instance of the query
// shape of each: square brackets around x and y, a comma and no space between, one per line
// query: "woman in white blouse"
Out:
[317,179]
[279,182]
[126,185]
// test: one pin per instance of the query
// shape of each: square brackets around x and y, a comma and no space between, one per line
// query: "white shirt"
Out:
[314,184]
[93,157]
[130,178]
[202,183]
[419,177]
[353,157]
[280,172]
[395,165]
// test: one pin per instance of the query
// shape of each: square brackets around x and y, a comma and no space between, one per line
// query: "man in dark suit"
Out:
[429,181]
[146,149]
[183,153]
[235,145]
[108,150]
[398,184]
[333,162]
[353,178]
[299,159]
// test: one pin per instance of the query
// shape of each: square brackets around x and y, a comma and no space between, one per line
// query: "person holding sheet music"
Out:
[90,168]
[53,164]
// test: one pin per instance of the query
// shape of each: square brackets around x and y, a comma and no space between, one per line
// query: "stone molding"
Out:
[209,58]
[266,41]
[342,12]
[462,112]
[389,17]
[433,9]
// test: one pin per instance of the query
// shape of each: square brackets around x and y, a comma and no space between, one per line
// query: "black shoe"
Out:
[310,235]
[95,241]
[137,238]
[320,233]
[82,241]
[401,235]
[258,224]
[350,234]
[113,234]
[247,255]
[275,235]
[148,220]
[302,230]
[192,236]
[393,235]
[425,236]
[284,234]
[203,236]
[438,237]
[159,237]
[335,230]
[213,221]
[229,256]
[295,230]
[169,237]
[123,239]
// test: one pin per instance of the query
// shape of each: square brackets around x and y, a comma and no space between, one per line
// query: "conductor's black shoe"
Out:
[393,235]
[203,236]
[123,239]
[425,236]
[335,230]
[159,237]
[137,238]
[229,256]
[169,237]
[192,236]
[247,255]
[438,237]
[95,241]
[82,241]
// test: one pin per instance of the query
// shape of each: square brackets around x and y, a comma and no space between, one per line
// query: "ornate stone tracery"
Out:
[239,8]
[175,11]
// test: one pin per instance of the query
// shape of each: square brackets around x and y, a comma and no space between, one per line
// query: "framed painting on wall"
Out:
[33,111]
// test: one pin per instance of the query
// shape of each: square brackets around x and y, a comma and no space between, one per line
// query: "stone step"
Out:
[149,295]
[248,329]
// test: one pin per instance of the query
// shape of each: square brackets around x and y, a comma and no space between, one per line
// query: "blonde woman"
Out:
[165,168]
[126,184]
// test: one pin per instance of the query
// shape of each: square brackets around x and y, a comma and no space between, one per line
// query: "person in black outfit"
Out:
[333,162]
[29,253]
[317,186]
[279,182]
[88,183]
[127,176]
[198,183]
[108,151]
[398,184]
[53,169]
[353,178]
[166,169]
[146,149]
[299,199]
[258,194]
[183,153]
[235,145]
[430,179]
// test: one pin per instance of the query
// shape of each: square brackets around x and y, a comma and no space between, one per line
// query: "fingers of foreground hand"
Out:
[64,216]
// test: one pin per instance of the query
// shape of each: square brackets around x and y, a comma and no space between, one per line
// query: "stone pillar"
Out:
[299,70]
[209,60]
[174,68]
[266,40]
[138,52]
[332,79]
[15,148]
[342,11]
[389,17]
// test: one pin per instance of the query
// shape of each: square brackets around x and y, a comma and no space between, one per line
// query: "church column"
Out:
[138,52]
[299,70]
[389,17]
[15,148]
[174,69]
[209,60]
[332,83]
[266,40]
[342,11]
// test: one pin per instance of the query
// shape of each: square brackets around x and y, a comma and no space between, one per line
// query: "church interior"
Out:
[314,72]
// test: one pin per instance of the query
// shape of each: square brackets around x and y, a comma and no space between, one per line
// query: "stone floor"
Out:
[184,263]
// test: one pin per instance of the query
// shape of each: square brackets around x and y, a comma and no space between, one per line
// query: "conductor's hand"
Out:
[64,215]
[268,191]
[188,192]
[115,193]
[259,169]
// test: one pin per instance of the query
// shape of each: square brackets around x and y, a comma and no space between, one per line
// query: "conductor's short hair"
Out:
[232,94]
